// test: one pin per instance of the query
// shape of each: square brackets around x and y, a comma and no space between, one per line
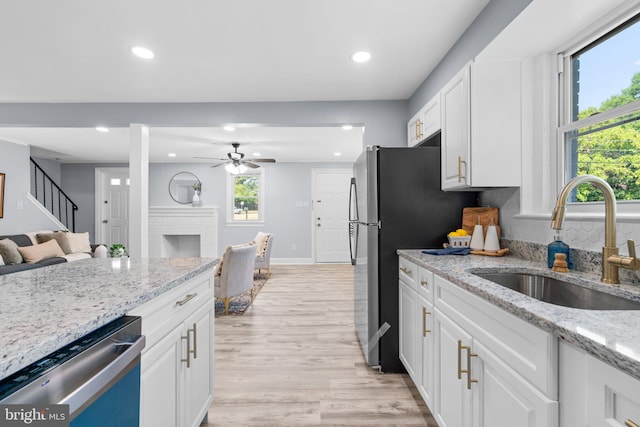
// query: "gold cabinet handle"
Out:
[630,423]
[406,270]
[186,299]
[469,356]
[468,370]
[424,321]
[423,282]
[419,130]
[460,371]
[460,162]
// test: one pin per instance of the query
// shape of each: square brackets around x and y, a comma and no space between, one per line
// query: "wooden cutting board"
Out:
[486,214]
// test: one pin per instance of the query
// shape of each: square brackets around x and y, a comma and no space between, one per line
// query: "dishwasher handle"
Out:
[90,390]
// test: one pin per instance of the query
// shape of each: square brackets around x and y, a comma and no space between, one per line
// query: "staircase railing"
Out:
[47,192]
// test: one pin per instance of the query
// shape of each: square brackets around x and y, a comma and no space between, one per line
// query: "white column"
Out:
[139,191]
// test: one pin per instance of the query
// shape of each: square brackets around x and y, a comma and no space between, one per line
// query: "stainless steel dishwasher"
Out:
[97,376]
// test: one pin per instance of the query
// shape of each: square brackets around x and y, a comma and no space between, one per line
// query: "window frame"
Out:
[230,198]
[565,123]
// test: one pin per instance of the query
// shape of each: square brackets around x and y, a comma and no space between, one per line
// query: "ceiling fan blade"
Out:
[249,164]
[262,160]
[219,164]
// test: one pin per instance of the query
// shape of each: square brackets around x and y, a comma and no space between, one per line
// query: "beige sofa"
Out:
[20,252]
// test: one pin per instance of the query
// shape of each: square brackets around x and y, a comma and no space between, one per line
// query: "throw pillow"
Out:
[35,253]
[62,238]
[79,242]
[9,252]
[262,239]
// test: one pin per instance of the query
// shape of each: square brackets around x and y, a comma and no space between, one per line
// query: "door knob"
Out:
[318,225]
[318,218]
[105,221]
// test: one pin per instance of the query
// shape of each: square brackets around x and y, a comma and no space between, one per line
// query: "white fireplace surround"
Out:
[183,232]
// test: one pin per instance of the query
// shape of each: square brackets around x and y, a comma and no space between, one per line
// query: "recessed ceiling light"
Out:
[229,128]
[347,127]
[337,154]
[171,154]
[102,129]
[142,52]
[361,56]
[256,154]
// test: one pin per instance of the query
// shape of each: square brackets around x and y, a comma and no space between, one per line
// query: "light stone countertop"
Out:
[44,309]
[612,336]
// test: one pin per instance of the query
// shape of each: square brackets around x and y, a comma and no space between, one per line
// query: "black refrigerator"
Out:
[395,203]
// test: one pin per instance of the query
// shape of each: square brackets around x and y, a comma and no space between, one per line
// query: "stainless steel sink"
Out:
[559,292]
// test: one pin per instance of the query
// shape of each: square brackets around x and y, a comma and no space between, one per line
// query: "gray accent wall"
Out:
[286,184]
[14,163]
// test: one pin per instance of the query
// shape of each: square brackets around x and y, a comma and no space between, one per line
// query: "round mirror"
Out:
[183,186]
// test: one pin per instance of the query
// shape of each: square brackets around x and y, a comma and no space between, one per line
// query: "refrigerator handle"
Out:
[353,222]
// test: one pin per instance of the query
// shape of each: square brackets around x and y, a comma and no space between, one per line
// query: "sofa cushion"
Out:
[9,251]
[76,257]
[35,253]
[79,242]
[61,237]
[32,235]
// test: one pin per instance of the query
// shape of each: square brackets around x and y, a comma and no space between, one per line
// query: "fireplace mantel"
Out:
[183,231]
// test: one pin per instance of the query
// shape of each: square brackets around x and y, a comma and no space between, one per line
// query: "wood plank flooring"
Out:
[293,359]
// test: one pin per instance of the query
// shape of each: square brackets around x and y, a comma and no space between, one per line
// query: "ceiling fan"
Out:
[235,162]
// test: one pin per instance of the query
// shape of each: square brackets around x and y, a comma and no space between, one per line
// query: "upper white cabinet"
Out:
[425,123]
[481,126]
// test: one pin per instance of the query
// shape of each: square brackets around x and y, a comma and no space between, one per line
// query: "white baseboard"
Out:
[291,261]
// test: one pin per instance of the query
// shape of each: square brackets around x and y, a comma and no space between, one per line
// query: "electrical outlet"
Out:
[293,246]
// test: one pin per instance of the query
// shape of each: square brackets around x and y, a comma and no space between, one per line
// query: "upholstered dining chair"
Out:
[264,241]
[233,275]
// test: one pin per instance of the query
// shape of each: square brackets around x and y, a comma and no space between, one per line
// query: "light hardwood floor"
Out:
[293,359]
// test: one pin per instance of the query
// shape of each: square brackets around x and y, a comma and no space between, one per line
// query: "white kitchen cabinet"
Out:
[425,352]
[474,364]
[409,344]
[593,393]
[453,402]
[475,387]
[481,126]
[176,386]
[425,122]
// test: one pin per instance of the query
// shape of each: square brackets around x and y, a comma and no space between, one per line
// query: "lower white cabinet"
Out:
[474,364]
[177,363]
[595,394]
[452,398]
[408,331]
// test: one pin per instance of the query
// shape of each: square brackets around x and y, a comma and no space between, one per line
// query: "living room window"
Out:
[599,132]
[246,197]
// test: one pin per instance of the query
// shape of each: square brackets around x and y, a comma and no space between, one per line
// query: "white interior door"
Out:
[112,210]
[330,215]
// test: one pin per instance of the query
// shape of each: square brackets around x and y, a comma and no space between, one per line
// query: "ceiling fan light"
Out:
[231,168]
[242,168]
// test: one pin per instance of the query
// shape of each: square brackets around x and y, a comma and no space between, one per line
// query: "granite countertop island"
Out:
[44,309]
[613,336]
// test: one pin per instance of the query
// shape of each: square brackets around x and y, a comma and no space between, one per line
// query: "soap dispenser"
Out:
[557,247]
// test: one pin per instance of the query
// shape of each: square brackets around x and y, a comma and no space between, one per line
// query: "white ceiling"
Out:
[222,51]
